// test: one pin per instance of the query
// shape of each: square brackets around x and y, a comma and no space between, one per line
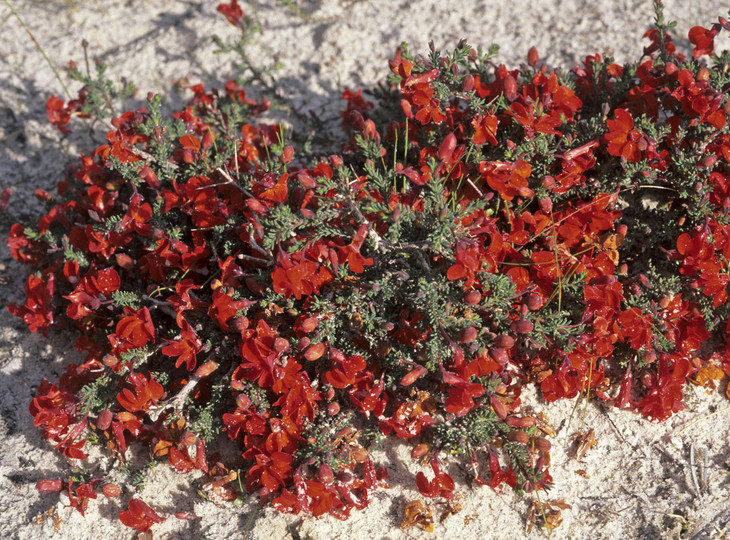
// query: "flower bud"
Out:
[547,181]
[309,324]
[413,375]
[707,161]
[472,298]
[518,436]
[243,401]
[104,420]
[344,477]
[503,341]
[468,334]
[420,450]
[510,88]
[522,327]
[281,345]
[535,302]
[522,422]
[287,154]
[325,473]
[315,351]
[546,205]
[111,490]
[446,150]
[542,444]
[206,369]
[499,408]
[49,486]
[499,355]
[335,161]
[125,261]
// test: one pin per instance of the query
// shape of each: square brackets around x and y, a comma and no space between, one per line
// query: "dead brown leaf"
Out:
[453,506]
[419,515]
[543,424]
[584,442]
[548,512]
[707,376]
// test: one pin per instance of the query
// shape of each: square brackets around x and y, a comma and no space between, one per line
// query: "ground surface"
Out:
[640,484]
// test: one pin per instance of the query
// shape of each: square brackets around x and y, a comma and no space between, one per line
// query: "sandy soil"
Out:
[641,480]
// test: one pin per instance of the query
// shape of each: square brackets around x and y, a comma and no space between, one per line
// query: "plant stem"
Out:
[38,46]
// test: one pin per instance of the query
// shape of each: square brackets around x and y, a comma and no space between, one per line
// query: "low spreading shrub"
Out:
[479,230]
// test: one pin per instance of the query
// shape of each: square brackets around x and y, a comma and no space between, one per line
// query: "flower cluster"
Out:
[482,229]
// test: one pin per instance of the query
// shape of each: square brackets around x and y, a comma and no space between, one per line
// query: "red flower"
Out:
[325,499]
[79,497]
[258,356]
[351,253]
[139,516]
[36,312]
[135,330]
[58,113]
[185,348]
[270,471]
[299,279]
[468,263]
[146,393]
[485,129]
[441,486]
[665,396]
[636,328]
[223,307]
[623,139]
[703,40]
[507,179]
[347,372]
[460,398]
[232,12]
[545,123]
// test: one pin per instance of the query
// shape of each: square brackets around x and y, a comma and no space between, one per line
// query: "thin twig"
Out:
[149,157]
[719,531]
[165,307]
[692,470]
[235,184]
[255,260]
[38,46]
[685,428]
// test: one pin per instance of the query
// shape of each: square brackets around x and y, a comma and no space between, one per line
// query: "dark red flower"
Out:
[139,516]
[37,312]
[185,348]
[232,12]
[58,113]
[703,40]
[146,393]
[623,139]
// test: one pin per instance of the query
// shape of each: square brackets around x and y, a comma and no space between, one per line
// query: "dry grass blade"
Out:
[695,422]
[38,46]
